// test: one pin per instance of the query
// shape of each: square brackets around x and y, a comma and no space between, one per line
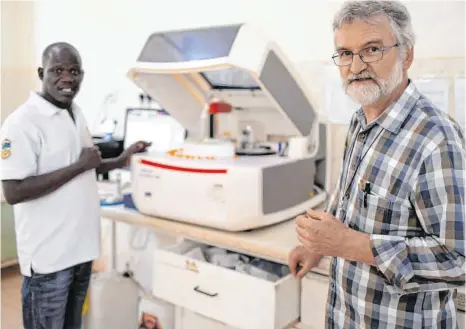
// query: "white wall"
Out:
[18,72]
[109,34]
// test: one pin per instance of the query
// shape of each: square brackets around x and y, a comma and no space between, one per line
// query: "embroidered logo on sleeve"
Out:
[6,148]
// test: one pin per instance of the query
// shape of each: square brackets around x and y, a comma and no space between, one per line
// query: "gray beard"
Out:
[372,91]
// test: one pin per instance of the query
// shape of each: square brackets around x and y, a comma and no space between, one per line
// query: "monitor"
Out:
[155,126]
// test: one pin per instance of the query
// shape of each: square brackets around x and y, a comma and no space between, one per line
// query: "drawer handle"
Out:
[196,289]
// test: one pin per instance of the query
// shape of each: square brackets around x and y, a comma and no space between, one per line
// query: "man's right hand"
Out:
[299,256]
[90,158]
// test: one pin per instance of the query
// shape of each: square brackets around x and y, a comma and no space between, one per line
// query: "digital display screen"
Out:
[154,126]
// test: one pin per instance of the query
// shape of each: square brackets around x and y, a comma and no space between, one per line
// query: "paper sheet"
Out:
[437,90]
[460,99]
[339,106]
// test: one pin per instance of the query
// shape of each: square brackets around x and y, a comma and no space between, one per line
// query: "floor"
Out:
[11,298]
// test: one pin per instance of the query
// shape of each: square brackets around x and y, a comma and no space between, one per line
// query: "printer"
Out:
[255,152]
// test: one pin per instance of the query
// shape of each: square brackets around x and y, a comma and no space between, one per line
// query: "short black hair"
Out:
[47,53]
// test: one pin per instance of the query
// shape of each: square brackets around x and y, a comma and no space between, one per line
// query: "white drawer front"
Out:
[225,295]
[190,320]
[314,294]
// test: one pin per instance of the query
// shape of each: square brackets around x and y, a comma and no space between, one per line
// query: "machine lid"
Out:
[184,69]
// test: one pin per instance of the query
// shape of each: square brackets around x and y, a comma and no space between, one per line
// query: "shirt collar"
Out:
[394,116]
[43,105]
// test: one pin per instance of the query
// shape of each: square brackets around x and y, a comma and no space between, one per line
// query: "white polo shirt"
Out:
[61,229]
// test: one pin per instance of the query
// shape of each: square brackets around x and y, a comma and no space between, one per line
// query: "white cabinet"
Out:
[186,319]
[227,296]
[314,292]
[461,320]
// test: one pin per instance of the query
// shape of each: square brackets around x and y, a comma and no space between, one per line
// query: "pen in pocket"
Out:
[365,187]
[367,190]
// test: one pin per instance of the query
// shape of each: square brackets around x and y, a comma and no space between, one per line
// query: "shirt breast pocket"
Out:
[57,156]
[375,214]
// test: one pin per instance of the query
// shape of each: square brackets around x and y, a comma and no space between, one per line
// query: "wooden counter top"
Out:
[272,243]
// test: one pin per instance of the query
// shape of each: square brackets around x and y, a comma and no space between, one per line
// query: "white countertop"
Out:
[271,243]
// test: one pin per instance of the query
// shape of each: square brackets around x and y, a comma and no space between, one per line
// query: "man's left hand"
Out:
[321,233]
[138,147]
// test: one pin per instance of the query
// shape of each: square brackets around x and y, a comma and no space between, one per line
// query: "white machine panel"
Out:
[232,195]
[218,181]
[183,69]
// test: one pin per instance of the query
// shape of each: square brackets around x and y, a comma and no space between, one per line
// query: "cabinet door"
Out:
[314,300]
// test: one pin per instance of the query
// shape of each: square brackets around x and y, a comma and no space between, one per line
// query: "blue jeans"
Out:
[55,300]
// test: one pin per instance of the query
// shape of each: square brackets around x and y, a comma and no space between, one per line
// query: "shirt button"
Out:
[362,137]
[347,195]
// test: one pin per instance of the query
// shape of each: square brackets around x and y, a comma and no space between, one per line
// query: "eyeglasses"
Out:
[367,55]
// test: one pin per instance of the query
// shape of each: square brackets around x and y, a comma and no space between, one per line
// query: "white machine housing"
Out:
[183,70]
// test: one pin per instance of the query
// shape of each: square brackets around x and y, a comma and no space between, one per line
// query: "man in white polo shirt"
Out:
[48,172]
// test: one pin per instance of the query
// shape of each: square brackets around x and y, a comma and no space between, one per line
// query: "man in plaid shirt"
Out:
[395,224]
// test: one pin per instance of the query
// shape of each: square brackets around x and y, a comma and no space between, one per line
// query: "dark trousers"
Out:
[55,300]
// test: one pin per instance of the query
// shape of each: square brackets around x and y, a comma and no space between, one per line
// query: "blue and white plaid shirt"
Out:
[402,182]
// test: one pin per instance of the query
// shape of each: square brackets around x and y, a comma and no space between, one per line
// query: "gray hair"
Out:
[396,12]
